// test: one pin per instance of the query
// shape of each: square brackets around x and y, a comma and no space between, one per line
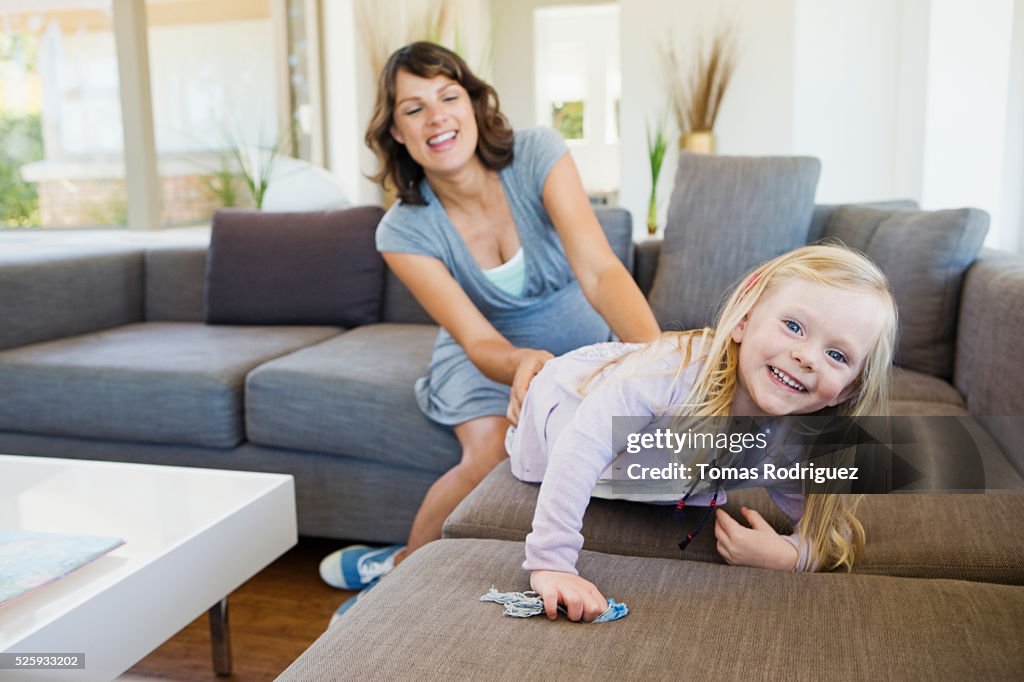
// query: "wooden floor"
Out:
[273,618]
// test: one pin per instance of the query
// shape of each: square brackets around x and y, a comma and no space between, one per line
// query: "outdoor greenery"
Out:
[21,142]
[223,182]
[567,118]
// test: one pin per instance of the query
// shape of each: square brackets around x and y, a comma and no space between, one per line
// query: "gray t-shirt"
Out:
[551,313]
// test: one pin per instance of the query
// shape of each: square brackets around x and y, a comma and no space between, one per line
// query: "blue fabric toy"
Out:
[526,604]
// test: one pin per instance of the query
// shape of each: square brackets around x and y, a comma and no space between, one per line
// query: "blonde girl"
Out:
[809,332]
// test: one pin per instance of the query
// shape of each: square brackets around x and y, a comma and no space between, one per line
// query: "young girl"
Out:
[810,332]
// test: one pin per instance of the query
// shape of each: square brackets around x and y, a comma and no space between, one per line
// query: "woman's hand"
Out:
[530,363]
[759,546]
[579,596]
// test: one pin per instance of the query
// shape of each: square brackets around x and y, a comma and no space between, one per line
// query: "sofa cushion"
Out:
[294,268]
[175,283]
[924,254]
[158,382]
[910,385]
[425,621]
[51,294]
[919,394]
[969,537]
[726,216]
[352,395]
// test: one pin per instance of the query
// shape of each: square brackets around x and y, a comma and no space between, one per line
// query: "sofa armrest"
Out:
[46,295]
[987,370]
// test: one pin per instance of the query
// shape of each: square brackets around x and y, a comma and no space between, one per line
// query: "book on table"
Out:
[30,559]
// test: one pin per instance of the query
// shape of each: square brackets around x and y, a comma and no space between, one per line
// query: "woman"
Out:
[495,237]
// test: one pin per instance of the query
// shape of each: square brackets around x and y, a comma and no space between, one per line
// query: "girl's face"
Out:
[803,347]
[434,119]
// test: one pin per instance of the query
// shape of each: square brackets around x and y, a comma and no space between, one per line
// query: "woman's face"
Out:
[434,120]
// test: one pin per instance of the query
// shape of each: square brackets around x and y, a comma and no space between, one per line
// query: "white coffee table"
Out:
[192,536]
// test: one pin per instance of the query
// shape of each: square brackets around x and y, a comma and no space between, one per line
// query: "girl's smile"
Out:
[802,348]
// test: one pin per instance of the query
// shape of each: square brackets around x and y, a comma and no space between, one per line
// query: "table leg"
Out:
[220,637]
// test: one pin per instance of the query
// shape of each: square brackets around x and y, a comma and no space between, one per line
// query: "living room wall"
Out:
[867,87]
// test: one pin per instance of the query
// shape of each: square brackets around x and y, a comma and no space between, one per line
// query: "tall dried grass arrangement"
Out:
[383,32]
[696,90]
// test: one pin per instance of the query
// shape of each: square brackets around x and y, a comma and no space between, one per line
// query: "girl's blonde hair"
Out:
[829,525]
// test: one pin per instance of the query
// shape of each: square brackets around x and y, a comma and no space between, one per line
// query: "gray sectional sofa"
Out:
[104,355]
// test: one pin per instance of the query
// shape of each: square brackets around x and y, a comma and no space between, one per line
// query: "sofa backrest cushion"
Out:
[294,268]
[727,214]
[174,283]
[924,254]
[823,213]
[51,294]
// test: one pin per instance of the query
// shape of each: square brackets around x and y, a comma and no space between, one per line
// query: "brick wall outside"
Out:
[67,203]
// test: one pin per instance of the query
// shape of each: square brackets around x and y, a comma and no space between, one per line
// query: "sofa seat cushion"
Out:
[352,395]
[967,537]
[156,382]
[686,619]
[926,408]
[916,394]
[908,385]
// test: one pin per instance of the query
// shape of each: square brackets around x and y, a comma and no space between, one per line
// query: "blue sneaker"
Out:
[355,567]
[350,602]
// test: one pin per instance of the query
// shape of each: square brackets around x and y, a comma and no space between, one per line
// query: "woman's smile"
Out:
[435,120]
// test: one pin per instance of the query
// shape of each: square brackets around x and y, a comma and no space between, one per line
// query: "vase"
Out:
[698,141]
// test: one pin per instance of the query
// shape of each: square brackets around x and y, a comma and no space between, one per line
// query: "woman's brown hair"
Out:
[427,60]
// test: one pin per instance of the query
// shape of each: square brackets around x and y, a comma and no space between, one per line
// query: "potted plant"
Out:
[696,90]
[657,145]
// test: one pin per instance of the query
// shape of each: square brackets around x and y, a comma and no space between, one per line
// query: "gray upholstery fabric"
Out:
[645,263]
[46,295]
[318,267]
[400,306]
[174,284]
[910,385]
[924,255]
[908,535]
[502,508]
[926,408]
[335,496]
[687,620]
[726,216]
[823,213]
[162,382]
[618,228]
[987,369]
[352,394]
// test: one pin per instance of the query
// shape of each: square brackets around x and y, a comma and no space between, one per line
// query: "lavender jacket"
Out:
[565,440]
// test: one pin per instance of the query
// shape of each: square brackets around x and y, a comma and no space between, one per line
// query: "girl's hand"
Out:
[579,596]
[759,546]
[530,363]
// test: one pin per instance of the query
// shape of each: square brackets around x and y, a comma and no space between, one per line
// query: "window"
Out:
[212,83]
[222,76]
[60,116]
[567,118]
[577,86]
